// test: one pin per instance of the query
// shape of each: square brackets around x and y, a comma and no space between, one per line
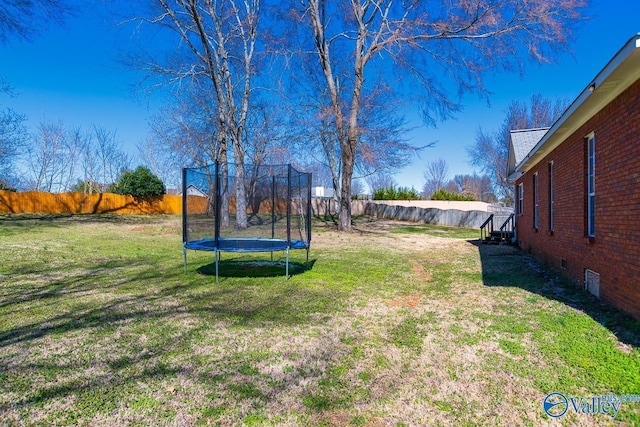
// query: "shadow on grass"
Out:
[507,266]
[116,383]
[59,220]
[96,333]
[255,268]
[78,282]
[365,225]
[276,302]
[78,309]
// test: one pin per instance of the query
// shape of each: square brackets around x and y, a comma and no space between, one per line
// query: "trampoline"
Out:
[273,215]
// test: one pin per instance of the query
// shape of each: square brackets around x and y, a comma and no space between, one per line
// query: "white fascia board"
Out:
[621,72]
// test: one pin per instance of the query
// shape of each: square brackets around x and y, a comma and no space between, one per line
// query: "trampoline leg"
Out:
[217,257]
[287,267]
[184,253]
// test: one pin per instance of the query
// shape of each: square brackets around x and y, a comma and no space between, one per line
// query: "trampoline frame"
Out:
[227,245]
[219,244]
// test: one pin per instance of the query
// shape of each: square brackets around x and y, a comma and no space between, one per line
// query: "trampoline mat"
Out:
[244,245]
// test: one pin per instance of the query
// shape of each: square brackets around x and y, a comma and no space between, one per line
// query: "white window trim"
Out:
[520,198]
[536,204]
[591,184]
[552,196]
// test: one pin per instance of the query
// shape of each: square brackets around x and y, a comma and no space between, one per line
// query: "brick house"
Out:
[578,185]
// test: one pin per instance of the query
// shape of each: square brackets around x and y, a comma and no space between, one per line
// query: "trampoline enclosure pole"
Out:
[289,205]
[185,238]
[273,207]
[216,207]
[185,228]
[309,213]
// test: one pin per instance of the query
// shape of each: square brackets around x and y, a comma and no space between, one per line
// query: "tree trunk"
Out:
[224,185]
[240,188]
[345,191]
[241,198]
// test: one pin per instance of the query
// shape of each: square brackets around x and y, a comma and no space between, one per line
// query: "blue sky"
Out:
[72,74]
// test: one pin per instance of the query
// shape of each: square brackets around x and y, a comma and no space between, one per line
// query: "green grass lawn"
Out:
[394,324]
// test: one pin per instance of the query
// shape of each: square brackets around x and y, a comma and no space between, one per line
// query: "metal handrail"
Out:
[483,231]
[510,222]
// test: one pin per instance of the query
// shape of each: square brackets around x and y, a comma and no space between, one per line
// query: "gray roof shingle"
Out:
[522,142]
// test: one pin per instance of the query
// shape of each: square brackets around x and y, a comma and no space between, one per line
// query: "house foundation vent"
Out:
[592,282]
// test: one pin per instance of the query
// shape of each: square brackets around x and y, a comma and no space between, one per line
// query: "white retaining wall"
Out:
[450,217]
[437,204]
[455,214]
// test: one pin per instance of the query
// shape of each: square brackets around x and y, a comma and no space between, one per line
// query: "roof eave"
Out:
[620,73]
[513,177]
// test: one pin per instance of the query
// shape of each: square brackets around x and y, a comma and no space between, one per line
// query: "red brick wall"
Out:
[614,252]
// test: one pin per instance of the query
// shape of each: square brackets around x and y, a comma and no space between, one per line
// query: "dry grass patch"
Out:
[406,301]
[393,324]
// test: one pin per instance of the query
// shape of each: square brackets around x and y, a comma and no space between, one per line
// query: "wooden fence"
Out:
[78,203]
[75,203]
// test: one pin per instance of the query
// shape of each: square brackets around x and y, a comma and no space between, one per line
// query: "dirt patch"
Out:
[406,301]
[339,419]
[159,229]
[419,271]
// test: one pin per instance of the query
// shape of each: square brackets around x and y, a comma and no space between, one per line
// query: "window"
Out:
[551,199]
[535,200]
[591,185]
[520,199]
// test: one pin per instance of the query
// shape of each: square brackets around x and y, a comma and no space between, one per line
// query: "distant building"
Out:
[317,191]
[578,185]
[192,190]
[322,192]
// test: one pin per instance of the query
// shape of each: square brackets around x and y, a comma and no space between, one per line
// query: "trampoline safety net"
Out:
[254,208]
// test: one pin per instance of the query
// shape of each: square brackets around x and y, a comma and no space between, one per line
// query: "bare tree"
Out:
[108,154]
[101,158]
[311,131]
[477,186]
[320,173]
[184,130]
[219,40]
[12,138]
[164,163]
[491,149]
[75,143]
[357,187]
[185,134]
[459,40]
[379,181]
[13,135]
[382,148]
[22,19]
[49,158]
[58,158]
[436,176]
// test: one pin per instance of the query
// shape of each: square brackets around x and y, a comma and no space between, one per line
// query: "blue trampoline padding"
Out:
[245,245]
